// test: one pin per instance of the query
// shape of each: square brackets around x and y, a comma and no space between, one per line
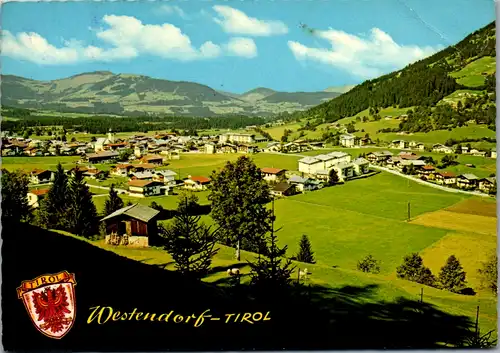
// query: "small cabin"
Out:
[134,226]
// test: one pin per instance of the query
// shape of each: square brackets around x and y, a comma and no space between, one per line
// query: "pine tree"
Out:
[113,203]
[190,243]
[268,273]
[53,208]
[305,253]
[452,276]
[82,213]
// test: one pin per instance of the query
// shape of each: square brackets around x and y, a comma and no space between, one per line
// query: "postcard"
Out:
[248,175]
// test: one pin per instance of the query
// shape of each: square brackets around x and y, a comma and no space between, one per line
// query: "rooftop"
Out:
[140,212]
[272,170]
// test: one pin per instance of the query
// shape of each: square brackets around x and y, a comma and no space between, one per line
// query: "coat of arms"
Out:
[50,302]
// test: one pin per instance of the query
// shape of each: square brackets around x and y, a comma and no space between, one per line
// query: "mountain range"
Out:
[128,94]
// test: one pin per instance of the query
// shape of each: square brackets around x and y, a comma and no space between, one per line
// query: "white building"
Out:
[347,140]
[361,166]
[312,165]
[234,137]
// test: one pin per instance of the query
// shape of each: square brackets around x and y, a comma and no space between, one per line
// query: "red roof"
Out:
[124,165]
[447,174]
[428,167]
[409,156]
[145,165]
[272,170]
[200,179]
[152,158]
[39,192]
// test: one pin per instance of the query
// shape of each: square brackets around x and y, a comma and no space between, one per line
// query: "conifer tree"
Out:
[53,208]
[413,269]
[452,276]
[268,273]
[333,177]
[190,243]
[113,203]
[305,253]
[82,213]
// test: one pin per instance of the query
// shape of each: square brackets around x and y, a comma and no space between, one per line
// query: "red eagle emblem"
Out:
[50,302]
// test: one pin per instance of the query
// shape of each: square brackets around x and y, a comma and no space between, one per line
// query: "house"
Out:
[197,183]
[35,196]
[273,174]
[272,147]
[378,157]
[94,173]
[40,176]
[134,225]
[344,170]
[477,153]
[145,167]
[244,148]
[442,148]
[445,178]
[143,188]
[406,163]
[283,189]
[399,144]
[101,157]
[122,169]
[365,141]
[228,148]
[142,176]
[304,184]
[234,137]
[426,171]
[419,146]
[347,140]
[493,153]
[165,176]
[361,166]
[467,181]
[487,184]
[209,148]
[152,159]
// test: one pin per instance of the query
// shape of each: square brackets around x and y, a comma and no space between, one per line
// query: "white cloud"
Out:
[237,22]
[362,57]
[126,37]
[244,47]
[33,47]
[171,10]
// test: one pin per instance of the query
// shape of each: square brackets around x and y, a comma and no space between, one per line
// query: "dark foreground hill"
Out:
[309,318]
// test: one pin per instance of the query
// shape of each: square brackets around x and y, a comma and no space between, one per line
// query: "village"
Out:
[138,166]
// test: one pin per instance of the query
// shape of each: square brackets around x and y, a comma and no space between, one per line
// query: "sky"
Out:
[235,46]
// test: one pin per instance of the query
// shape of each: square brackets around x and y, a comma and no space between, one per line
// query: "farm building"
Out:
[445,178]
[426,171]
[442,148]
[134,226]
[144,188]
[165,176]
[35,196]
[122,169]
[196,183]
[283,189]
[273,174]
[347,140]
[40,176]
[378,157]
[152,159]
[101,157]
[487,184]
[467,181]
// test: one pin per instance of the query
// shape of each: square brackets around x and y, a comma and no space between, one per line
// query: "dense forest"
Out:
[423,83]
[101,124]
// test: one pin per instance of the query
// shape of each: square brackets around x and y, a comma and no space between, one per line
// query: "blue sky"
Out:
[234,45]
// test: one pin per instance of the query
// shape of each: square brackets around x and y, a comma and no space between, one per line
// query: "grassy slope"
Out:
[472,74]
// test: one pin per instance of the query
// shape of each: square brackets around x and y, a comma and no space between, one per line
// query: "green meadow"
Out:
[472,75]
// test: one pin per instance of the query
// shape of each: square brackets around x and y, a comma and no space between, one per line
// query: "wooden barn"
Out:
[134,225]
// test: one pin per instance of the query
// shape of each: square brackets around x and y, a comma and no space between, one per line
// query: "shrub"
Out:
[369,264]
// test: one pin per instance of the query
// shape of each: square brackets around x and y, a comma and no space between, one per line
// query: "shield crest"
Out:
[50,302]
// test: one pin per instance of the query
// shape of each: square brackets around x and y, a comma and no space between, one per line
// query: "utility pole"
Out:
[409,211]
